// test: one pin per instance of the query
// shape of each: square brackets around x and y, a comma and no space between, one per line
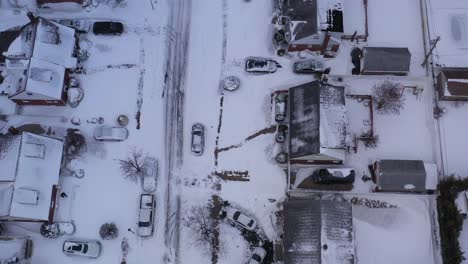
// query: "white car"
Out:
[81,26]
[146,215]
[198,139]
[240,218]
[261,65]
[150,174]
[258,255]
[108,133]
[90,248]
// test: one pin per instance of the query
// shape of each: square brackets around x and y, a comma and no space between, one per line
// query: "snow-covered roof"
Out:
[455,81]
[54,43]
[317,118]
[318,231]
[44,79]
[11,247]
[9,153]
[383,60]
[37,171]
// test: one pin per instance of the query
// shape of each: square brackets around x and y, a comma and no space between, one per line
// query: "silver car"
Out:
[90,248]
[198,139]
[258,255]
[240,218]
[108,133]
[146,215]
[150,174]
[310,66]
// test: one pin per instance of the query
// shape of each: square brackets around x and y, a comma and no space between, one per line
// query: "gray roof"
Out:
[386,60]
[307,102]
[309,221]
[303,10]
[393,175]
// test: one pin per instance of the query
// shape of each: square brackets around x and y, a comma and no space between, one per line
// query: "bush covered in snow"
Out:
[109,231]
[450,221]
[50,230]
[388,97]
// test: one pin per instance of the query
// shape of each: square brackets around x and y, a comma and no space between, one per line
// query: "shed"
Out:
[317,123]
[318,231]
[404,176]
[30,177]
[386,61]
[452,84]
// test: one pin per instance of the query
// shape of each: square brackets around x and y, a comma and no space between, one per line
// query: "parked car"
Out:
[146,215]
[108,28]
[108,133]
[261,65]
[81,26]
[258,255]
[310,66]
[198,139]
[280,107]
[150,174]
[333,176]
[240,218]
[281,133]
[90,249]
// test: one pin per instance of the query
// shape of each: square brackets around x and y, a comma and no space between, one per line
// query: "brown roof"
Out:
[457,80]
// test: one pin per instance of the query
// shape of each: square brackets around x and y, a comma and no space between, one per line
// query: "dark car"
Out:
[333,176]
[108,28]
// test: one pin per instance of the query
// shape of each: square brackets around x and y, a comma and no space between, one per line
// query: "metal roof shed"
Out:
[400,175]
[386,61]
[318,231]
[452,84]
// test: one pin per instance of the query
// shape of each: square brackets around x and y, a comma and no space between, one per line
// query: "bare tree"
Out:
[388,97]
[203,228]
[132,166]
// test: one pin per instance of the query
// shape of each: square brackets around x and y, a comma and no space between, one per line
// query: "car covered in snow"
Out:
[108,28]
[146,215]
[237,217]
[280,107]
[198,139]
[88,248]
[79,25]
[334,176]
[109,133]
[150,174]
[310,66]
[258,255]
[261,65]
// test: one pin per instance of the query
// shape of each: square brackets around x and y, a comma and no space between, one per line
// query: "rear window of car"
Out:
[236,215]
[143,224]
[251,223]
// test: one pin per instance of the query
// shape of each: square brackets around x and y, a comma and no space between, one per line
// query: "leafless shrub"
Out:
[131,167]
[202,227]
[108,231]
[388,97]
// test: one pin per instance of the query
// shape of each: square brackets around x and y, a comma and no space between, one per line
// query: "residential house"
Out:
[318,231]
[452,84]
[317,123]
[16,250]
[38,63]
[314,25]
[29,181]
[386,61]
[413,176]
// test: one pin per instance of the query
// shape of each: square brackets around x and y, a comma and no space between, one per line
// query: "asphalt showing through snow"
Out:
[177,45]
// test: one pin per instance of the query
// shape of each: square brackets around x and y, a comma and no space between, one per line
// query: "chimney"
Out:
[31,17]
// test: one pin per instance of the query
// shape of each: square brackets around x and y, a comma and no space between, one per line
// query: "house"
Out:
[317,123]
[15,250]
[318,231]
[386,61]
[413,176]
[452,84]
[29,181]
[313,25]
[38,63]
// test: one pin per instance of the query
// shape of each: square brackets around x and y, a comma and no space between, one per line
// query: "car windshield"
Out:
[143,224]
[251,223]
[256,257]
[236,215]
[75,247]
[85,248]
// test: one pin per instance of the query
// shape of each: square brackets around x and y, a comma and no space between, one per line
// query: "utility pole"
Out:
[430,51]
